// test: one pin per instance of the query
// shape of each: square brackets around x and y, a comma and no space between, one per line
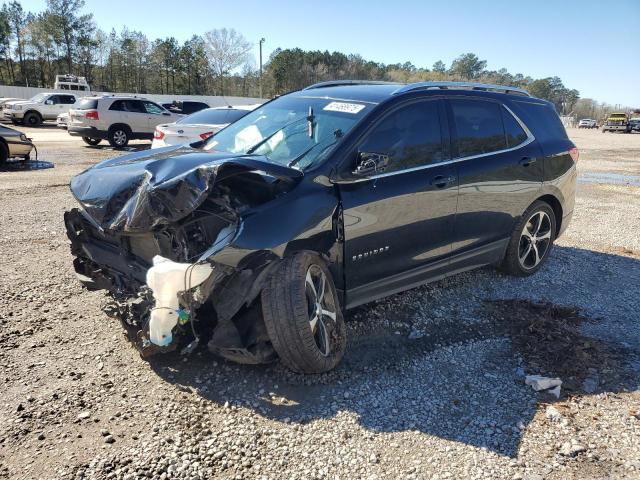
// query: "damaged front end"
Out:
[159,233]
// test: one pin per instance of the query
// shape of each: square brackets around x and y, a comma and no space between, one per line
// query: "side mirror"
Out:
[370,163]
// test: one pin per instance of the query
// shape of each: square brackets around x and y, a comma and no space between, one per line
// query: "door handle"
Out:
[526,161]
[441,181]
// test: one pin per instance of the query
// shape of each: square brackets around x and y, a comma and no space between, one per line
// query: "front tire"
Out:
[32,119]
[302,315]
[91,141]
[119,137]
[531,241]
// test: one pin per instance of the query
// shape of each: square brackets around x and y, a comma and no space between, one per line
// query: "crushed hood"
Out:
[139,192]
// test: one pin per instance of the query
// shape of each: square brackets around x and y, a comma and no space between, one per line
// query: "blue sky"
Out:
[593,45]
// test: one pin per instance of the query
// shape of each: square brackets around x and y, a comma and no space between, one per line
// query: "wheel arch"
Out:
[35,112]
[120,125]
[555,204]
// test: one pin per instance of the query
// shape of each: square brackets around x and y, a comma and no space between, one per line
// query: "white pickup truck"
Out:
[44,106]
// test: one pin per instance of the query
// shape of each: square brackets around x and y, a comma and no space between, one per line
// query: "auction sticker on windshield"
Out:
[344,107]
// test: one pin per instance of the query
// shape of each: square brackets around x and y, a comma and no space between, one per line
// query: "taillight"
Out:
[205,135]
[158,135]
[92,114]
[574,154]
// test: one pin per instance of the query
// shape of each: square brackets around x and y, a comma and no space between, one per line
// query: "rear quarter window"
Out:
[541,119]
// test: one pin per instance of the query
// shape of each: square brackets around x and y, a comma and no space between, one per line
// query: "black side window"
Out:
[54,99]
[513,131]
[67,99]
[135,106]
[478,126]
[118,105]
[410,136]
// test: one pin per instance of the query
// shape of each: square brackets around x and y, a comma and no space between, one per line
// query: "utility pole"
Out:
[261,42]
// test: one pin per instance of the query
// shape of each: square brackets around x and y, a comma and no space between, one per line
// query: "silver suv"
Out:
[117,119]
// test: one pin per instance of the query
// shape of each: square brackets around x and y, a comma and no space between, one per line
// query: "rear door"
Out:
[500,172]
[131,112]
[401,220]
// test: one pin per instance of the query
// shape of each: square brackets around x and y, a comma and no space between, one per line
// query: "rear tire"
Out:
[302,315]
[32,119]
[91,141]
[531,241]
[119,136]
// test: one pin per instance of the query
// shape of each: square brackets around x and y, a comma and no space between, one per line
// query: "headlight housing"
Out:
[17,107]
[23,137]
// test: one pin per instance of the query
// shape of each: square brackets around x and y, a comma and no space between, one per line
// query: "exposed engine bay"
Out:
[153,232]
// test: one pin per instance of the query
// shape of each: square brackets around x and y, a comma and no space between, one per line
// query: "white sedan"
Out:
[198,126]
[62,121]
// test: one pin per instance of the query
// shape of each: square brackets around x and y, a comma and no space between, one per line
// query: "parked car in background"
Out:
[316,202]
[14,144]
[587,123]
[41,107]
[63,120]
[117,119]
[617,122]
[635,124]
[4,100]
[198,126]
[186,107]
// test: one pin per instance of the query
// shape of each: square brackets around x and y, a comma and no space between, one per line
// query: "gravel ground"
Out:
[432,385]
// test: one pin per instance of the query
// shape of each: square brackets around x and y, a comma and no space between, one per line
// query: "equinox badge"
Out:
[370,253]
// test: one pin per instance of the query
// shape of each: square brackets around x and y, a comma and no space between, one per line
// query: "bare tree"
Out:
[227,50]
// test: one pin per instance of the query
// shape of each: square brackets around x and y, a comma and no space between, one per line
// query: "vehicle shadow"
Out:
[24,166]
[461,380]
[129,148]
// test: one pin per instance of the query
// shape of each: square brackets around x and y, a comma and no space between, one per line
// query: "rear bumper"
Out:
[91,132]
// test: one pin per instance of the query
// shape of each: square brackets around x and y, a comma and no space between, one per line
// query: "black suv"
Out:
[257,239]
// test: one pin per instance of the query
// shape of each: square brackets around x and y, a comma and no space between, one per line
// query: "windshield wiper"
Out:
[266,139]
[303,154]
[337,135]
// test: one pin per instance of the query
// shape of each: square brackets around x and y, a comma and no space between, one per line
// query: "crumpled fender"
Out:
[140,192]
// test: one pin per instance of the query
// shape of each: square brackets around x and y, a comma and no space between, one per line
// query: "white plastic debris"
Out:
[166,279]
[539,383]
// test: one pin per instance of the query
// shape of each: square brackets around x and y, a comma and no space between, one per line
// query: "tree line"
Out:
[36,46]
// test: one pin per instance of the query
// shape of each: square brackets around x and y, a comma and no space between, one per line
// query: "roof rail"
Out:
[463,86]
[340,83]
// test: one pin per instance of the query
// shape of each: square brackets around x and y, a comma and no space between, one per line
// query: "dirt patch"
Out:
[549,338]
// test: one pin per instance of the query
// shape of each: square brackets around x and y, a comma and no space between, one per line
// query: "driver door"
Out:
[399,222]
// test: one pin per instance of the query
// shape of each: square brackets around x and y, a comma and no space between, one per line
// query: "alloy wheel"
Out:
[534,240]
[120,137]
[321,309]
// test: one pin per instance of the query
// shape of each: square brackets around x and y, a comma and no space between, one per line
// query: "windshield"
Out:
[39,97]
[214,116]
[291,130]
